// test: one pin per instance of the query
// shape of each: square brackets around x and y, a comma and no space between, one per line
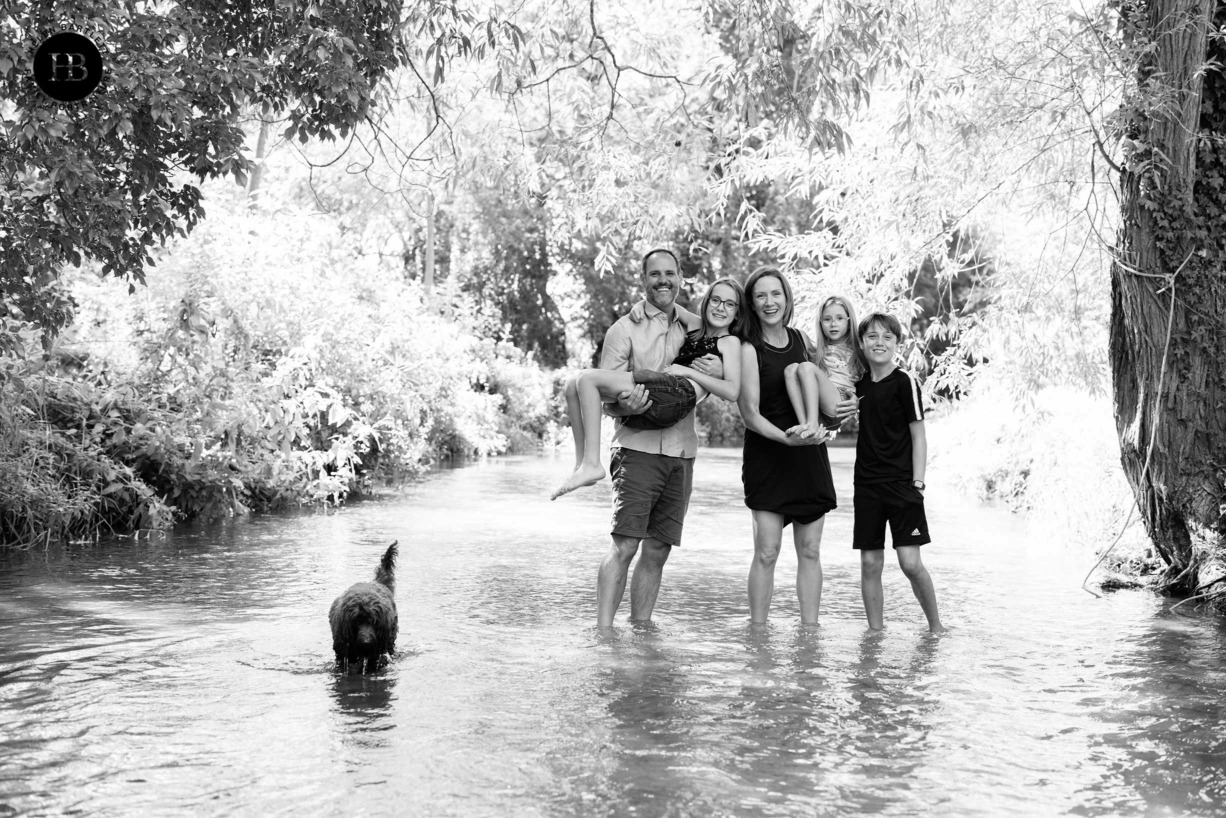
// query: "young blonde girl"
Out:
[814,388]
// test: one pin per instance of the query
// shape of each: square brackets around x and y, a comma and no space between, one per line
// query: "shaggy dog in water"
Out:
[364,621]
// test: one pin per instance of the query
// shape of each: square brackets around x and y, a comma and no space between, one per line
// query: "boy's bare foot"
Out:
[583,476]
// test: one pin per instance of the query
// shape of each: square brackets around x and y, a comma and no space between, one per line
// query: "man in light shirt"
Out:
[651,469]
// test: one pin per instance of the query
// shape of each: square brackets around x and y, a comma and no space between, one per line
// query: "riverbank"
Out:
[258,370]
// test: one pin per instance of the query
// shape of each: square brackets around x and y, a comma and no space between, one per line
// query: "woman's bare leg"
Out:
[767,539]
[808,539]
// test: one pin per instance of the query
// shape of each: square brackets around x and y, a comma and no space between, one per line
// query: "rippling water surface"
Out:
[192,675]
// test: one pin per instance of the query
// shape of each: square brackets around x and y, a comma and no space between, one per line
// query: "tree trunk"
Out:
[1168,293]
[257,167]
[428,275]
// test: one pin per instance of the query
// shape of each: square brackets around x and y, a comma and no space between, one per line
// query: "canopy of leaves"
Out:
[111,178]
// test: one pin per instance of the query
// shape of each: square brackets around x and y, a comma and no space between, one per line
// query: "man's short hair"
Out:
[887,322]
[652,252]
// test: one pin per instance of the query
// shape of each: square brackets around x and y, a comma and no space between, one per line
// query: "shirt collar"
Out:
[651,311]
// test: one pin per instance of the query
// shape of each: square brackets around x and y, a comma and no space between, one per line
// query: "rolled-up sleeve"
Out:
[615,353]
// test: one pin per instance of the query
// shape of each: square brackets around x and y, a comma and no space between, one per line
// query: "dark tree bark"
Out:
[1168,290]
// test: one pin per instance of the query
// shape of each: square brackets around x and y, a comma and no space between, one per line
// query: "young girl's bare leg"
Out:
[575,413]
[593,387]
[827,393]
[801,381]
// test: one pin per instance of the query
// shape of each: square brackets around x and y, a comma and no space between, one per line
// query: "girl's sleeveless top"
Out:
[693,349]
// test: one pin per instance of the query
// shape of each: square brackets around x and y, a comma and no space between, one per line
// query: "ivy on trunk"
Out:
[1168,288]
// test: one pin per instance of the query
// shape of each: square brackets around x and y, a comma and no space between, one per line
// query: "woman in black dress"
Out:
[786,476]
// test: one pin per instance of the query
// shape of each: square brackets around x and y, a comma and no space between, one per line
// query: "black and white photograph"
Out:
[648,408]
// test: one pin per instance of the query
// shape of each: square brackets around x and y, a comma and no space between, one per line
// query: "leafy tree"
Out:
[1168,295]
[510,280]
[118,175]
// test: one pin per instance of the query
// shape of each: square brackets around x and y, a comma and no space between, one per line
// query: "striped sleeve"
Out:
[911,398]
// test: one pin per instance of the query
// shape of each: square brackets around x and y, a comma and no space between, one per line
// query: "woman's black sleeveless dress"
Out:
[794,481]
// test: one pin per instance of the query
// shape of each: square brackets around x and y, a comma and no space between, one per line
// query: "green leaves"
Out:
[180,75]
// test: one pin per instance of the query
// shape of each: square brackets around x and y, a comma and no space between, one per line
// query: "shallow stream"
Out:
[192,675]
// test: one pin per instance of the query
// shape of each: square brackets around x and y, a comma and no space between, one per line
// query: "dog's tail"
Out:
[385,574]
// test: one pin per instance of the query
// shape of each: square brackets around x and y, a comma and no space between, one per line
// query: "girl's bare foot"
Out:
[583,476]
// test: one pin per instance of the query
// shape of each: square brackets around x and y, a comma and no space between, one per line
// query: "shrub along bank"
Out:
[257,370]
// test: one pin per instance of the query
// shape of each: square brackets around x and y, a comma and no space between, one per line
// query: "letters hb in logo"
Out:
[68,66]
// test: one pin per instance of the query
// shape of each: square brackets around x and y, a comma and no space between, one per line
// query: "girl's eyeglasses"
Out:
[727,304]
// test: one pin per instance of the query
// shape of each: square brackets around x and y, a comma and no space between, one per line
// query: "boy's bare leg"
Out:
[871,563]
[921,583]
[593,388]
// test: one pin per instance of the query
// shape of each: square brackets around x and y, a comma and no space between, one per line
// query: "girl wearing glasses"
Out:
[674,393]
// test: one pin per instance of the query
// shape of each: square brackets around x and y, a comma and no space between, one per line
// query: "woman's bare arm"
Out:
[748,404]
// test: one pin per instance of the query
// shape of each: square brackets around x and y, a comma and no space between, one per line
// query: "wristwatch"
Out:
[919,484]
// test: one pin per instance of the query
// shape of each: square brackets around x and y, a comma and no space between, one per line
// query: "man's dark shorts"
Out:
[898,503]
[672,398]
[650,494]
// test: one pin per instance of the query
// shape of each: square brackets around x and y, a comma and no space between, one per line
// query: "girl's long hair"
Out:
[737,328]
[753,326]
[853,336]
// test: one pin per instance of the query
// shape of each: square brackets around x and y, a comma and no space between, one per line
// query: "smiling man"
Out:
[651,469]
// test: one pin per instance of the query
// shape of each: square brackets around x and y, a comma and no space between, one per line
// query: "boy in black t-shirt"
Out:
[891,455]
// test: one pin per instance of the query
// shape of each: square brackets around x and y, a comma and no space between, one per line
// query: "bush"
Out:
[57,481]
[263,365]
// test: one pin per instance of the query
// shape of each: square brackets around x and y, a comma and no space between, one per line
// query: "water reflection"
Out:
[645,682]
[362,707]
[1156,747]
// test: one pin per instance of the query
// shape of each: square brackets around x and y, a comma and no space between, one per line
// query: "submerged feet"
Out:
[583,476]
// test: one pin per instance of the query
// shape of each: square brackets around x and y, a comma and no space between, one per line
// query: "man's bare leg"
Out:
[611,578]
[921,583]
[808,539]
[645,583]
[871,563]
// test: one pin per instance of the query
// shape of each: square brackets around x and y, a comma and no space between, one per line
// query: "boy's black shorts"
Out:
[900,504]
